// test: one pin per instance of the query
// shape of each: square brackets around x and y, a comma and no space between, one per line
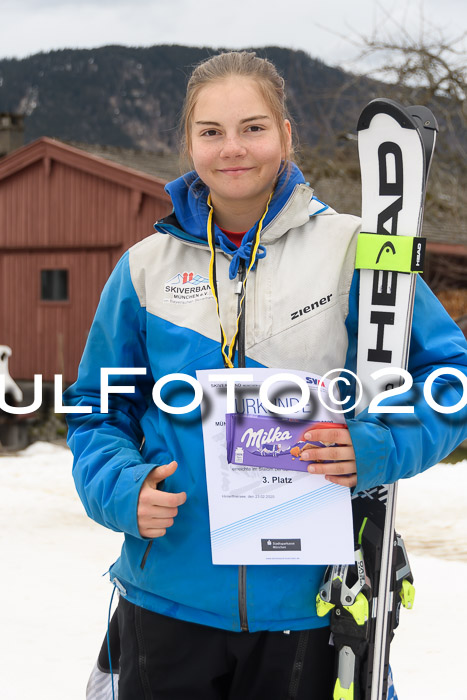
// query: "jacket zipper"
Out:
[146,554]
[242,604]
[297,667]
[242,607]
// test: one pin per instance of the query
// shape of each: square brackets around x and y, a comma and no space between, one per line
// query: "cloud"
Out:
[322,29]
[77,7]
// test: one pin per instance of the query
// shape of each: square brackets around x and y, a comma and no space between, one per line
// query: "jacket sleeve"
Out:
[395,446]
[108,467]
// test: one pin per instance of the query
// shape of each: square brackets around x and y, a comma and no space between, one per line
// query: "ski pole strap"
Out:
[376,251]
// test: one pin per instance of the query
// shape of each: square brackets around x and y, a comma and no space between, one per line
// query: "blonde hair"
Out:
[244,64]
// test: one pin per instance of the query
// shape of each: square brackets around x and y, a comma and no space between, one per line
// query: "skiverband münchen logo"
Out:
[186,287]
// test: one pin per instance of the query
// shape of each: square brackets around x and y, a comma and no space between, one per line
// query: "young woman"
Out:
[188,628]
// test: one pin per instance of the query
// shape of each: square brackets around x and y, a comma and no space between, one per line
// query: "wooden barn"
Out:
[66,216]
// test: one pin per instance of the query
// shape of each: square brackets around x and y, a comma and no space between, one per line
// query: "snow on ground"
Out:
[55,599]
[428,652]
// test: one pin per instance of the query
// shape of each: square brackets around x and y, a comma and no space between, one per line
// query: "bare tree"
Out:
[427,67]
[417,63]
[421,64]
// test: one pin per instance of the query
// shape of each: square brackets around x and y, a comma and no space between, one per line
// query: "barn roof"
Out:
[162,165]
[52,149]
[445,227]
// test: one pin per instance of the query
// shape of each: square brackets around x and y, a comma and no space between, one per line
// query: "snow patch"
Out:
[56,595]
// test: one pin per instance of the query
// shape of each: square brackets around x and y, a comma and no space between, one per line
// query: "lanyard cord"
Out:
[228,356]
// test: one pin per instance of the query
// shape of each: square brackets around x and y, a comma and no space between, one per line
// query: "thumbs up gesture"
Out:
[157,509]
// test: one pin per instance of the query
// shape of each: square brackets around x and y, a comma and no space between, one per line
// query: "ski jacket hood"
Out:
[189,196]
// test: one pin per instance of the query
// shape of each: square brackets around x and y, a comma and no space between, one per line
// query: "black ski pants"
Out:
[162,658]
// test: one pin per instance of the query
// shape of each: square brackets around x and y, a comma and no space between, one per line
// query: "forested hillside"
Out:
[131,97]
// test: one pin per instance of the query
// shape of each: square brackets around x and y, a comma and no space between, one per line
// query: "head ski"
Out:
[395,150]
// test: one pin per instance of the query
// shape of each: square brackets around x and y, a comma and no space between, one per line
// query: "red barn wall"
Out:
[48,337]
[54,215]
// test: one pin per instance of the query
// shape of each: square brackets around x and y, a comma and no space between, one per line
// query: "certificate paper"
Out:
[265,515]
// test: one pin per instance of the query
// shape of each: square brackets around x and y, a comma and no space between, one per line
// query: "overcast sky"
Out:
[30,26]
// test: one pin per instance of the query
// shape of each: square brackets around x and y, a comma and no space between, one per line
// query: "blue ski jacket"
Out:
[157,312]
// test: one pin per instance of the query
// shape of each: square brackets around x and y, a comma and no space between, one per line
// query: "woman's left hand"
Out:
[342,467]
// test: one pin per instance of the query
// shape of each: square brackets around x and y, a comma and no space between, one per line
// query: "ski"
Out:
[394,162]
[395,150]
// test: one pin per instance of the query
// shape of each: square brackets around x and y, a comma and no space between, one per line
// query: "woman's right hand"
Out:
[157,509]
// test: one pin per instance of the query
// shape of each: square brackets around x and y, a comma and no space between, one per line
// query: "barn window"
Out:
[54,285]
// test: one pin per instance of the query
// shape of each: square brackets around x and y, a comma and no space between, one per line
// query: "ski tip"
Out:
[383,105]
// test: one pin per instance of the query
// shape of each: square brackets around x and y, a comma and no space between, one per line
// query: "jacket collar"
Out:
[189,197]
[291,206]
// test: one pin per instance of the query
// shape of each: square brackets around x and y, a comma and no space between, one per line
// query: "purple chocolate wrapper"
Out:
[269,441]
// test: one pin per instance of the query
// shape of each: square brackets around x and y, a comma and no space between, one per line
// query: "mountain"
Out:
[118,98]
[131,97]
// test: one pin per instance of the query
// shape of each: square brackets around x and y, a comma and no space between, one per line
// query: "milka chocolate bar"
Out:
[270,441]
